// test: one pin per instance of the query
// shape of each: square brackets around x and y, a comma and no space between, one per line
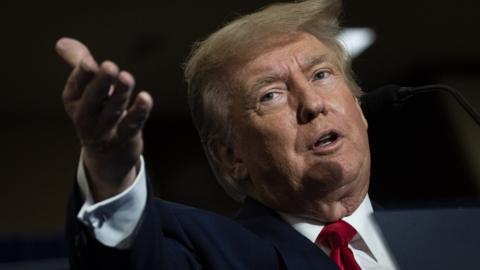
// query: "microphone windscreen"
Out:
[379,100]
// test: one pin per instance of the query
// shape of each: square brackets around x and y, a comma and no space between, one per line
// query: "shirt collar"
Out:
[361,219]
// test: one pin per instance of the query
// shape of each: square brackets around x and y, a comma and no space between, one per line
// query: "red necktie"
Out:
[336,236]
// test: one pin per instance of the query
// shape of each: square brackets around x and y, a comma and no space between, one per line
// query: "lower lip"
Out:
[329,148]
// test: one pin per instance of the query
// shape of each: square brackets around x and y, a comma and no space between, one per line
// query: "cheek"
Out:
[278,136]
[269,143]
[346,106]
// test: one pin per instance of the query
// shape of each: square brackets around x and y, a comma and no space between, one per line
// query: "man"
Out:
[273,100]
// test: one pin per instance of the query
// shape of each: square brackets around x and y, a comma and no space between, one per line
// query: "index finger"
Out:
[72,51]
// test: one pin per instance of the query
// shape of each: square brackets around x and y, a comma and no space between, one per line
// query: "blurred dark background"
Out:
[427,151]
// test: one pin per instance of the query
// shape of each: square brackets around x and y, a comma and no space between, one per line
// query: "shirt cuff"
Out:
[113,221]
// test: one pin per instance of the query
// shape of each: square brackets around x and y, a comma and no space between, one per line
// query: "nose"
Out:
[310,104]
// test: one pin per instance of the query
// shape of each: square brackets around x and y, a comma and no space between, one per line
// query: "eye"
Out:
[268,96]
[320,75]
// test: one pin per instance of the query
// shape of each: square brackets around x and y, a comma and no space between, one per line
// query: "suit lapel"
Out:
[296,251]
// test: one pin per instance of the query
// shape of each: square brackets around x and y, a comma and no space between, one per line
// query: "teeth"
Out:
[326,140]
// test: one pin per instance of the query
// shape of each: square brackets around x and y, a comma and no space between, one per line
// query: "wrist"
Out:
[107,179]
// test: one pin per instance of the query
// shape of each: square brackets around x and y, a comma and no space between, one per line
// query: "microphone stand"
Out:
[393,95]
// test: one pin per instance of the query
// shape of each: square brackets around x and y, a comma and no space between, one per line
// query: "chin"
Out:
[333,209]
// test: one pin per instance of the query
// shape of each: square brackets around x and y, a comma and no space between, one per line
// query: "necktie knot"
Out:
[336,235]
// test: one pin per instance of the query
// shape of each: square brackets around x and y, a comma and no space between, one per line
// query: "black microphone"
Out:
[383,99]
[390,97]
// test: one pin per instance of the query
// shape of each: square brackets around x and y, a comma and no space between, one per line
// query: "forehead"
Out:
[303,51]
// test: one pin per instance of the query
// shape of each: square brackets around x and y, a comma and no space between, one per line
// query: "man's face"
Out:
[299,133]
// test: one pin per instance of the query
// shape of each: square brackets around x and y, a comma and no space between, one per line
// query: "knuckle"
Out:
[134,125]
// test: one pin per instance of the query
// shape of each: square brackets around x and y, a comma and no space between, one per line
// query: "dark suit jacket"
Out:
[174,236]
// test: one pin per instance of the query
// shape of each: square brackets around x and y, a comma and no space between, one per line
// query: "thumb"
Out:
[72,51]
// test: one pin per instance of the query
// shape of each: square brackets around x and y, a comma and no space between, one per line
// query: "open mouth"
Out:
[327,139]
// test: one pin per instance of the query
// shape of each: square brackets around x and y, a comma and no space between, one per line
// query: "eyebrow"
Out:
[313,61]
[265,80]
[305,66]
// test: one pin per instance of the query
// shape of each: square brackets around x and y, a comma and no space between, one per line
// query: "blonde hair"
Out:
[209,85]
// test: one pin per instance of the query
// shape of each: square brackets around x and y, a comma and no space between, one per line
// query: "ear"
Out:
[225,156]
[359,108]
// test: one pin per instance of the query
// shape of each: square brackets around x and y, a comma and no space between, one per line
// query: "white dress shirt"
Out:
[367,245]
[113,222]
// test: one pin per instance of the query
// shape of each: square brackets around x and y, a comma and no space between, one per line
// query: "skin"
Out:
[97,100]
[288,97]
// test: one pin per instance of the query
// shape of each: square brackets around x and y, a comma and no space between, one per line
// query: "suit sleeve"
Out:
[167,236]
[107,235]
